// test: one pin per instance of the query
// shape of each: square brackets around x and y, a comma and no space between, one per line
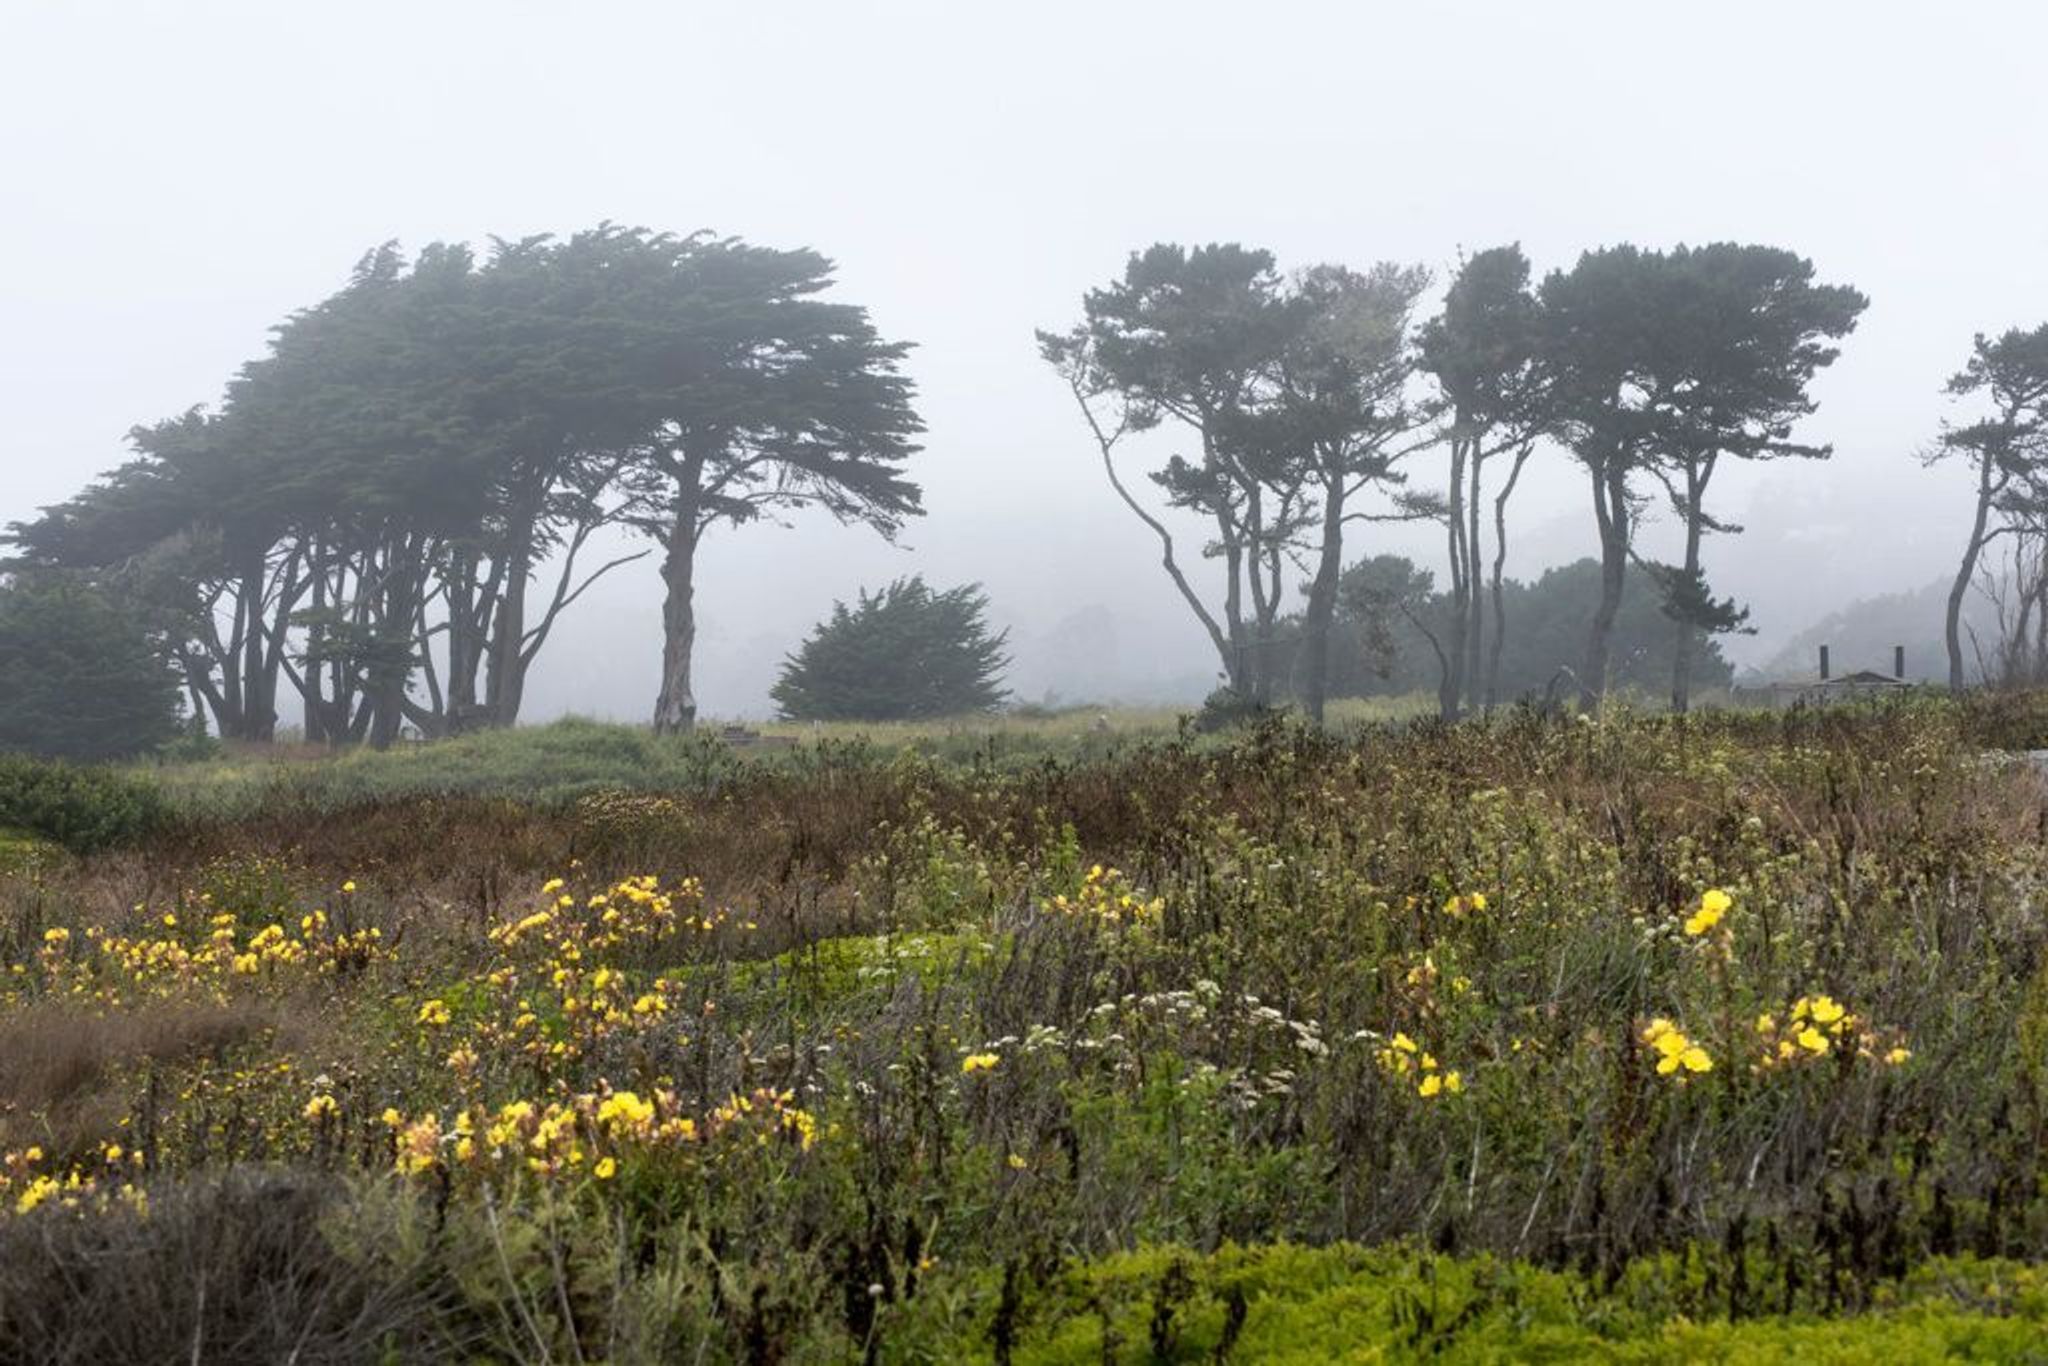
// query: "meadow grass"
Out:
[561,760]
[1628,1038]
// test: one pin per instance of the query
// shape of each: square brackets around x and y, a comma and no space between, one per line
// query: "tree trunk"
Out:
[468,613]
[258,710]
[1688,632]
[675,709]
[312,690]
[1610,508]
[397,609]
[1500,560]
[1321,611]
[505,680]
[1475,626]
[1238,668]
[1105,442]
[1953,621]
[1451,683]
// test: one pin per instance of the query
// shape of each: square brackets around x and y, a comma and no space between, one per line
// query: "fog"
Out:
[179,177]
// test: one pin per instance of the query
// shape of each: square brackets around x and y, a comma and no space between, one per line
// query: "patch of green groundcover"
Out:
[21,852]
[1292,1304]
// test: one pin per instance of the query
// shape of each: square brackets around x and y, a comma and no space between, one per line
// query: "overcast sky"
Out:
[179,176]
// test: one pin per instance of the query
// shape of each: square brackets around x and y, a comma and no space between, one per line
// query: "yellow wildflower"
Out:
[1713,905]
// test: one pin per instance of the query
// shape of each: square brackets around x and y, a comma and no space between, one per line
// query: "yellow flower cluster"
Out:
[1466,903]
[1817,1027]
[591,1131]
[637,910]
[27,1185]
[211,961]
[1406,1059]
[1714,903]
[1105,894]
[1424,976]
[769,1115]
[551,989]
[1677,1055]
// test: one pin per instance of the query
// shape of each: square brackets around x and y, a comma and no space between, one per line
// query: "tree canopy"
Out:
[1654,364]
[903,653]
[1395,631]
[366,517]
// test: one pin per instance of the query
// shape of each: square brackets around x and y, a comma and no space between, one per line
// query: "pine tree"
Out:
[903,653]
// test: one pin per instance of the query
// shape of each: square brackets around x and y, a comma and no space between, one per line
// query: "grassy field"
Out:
[1630,1039]
[566,759]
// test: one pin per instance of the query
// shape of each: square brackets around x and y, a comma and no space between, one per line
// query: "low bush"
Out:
[1228,709]
[82,808]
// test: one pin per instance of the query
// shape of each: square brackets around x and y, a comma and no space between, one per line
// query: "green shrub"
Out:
[1281,1303]
[80,677]
[1227,709]
[83,809]
[902,653]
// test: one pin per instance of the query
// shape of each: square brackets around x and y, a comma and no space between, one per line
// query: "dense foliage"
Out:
[82,808]
[905,652]
[1397,633]
[80,677]
[1307,400]
[1715,1020]
[388,514]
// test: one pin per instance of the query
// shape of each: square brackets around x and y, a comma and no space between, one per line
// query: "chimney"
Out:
[1899,662]
[1823,663]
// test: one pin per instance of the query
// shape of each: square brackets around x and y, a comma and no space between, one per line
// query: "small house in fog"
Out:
[1827,686]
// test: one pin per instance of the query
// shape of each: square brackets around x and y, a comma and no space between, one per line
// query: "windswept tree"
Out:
[1481,351]
[1192,339]
[905,653]
[1750,328]
[740,396]
[1658,364]
[372,496]
[2007,449]
[1342,417]
[1605,364]
[373,514]
[1295,396]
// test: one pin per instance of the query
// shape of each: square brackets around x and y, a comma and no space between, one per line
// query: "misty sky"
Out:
[178,177]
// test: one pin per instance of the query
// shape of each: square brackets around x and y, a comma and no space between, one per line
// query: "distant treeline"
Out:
[392,508]
[390,511]
[1307,403]
[1393,634]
